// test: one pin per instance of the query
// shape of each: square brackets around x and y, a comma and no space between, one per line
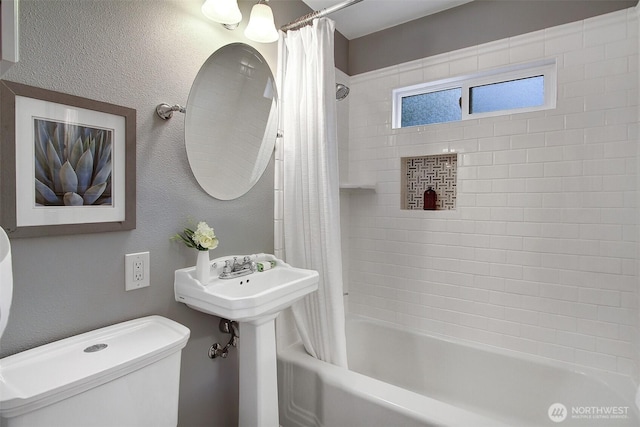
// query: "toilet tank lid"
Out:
[55,371]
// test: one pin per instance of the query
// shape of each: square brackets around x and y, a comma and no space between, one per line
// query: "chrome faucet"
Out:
[238,269]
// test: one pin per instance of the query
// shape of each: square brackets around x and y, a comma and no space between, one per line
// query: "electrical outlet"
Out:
[136,271]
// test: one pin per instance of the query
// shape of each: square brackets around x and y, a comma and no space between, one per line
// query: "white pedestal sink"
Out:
[254,301]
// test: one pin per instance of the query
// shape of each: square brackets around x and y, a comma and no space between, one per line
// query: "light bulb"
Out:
[261,27]
[222,11]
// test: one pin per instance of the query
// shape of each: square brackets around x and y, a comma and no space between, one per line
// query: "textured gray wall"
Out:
[473,23]
[136,54]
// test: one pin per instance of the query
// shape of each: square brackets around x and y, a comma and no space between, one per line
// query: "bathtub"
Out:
[398,378]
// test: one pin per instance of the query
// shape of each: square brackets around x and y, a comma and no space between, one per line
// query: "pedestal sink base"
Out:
[258,374]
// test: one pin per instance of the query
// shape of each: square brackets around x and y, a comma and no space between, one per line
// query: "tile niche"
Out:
[438,172]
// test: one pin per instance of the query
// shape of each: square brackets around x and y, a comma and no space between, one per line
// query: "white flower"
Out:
[205,237]
[202,239]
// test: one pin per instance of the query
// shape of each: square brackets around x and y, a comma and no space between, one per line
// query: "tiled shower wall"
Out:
[540,255]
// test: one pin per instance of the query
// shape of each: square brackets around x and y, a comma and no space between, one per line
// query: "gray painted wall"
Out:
[473,23]
[136,54]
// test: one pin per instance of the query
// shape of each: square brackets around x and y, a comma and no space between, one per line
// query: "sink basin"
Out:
[248,297]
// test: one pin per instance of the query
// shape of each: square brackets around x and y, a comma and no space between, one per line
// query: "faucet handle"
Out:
[227,267]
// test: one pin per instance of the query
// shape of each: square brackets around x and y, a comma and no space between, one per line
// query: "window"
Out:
[517,89]
[432,107]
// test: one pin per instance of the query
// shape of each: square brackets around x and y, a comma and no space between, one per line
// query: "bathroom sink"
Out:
[245,298]
[254,299]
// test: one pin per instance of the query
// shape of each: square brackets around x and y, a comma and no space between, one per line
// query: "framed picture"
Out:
[68,163]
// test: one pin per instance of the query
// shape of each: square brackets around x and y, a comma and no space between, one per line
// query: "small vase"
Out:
[203,267]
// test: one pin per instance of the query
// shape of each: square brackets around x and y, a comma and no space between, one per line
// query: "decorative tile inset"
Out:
[438,172]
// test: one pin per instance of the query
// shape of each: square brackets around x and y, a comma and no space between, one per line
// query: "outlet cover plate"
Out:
[136,271]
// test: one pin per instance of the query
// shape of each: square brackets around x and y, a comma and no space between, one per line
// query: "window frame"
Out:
[546,68]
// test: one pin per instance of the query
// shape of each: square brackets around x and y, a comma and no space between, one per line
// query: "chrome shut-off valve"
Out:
[228,327]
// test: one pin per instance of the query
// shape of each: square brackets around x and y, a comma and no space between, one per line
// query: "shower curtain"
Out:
[311,219]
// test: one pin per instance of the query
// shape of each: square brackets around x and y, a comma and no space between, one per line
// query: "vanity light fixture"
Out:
[261,27]
[225,12]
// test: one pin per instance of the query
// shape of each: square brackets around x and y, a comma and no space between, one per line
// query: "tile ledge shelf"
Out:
[358,187]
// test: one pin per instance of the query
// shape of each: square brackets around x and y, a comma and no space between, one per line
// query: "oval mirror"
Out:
[231,121]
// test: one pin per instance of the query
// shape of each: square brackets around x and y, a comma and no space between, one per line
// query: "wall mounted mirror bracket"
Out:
[165,111]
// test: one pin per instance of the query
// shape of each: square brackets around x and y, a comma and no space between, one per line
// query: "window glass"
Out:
[432,107]
[509,95]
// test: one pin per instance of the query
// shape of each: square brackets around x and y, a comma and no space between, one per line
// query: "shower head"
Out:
[341,91]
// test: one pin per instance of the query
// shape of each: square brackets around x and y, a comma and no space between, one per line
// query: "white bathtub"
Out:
[397,378]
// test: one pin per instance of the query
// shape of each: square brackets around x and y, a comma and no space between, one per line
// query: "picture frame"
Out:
[68,163]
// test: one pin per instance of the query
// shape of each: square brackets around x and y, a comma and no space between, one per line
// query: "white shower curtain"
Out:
[311,186]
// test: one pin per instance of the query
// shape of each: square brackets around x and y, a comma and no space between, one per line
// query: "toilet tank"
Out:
[122,375]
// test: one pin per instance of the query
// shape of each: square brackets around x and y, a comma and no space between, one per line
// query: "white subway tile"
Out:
[584,56]
[464,65]
[491,255]
[493,172]
[567,42]
[542,185]
[622,316]
[582,183]
[565,168]
[557,321]
[605,167]
[583,152]
[525,200]
[606,68]
[597,360]
[600,297]
[621,48]
[558,352]
[545,124]
[524,229]
[541,253]
[597,328]
[509,185]
[493,143]
[526,52]
[550,290]
[621,115]
[506,271]
[529,140]
[585,120]
[475,159]
[512,127]
[546,154]
[623,82]
[506,214]
[598,34]
[615,347]
[576,340]
[510,156]
[496,58]
[583,88]
[522,287]
[561,261]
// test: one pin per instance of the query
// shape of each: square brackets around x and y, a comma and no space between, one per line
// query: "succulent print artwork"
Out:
[72,164]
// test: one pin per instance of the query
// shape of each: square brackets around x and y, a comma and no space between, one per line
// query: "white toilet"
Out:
[123,375]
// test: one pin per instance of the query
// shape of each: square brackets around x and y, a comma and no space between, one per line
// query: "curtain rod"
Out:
[306,19]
